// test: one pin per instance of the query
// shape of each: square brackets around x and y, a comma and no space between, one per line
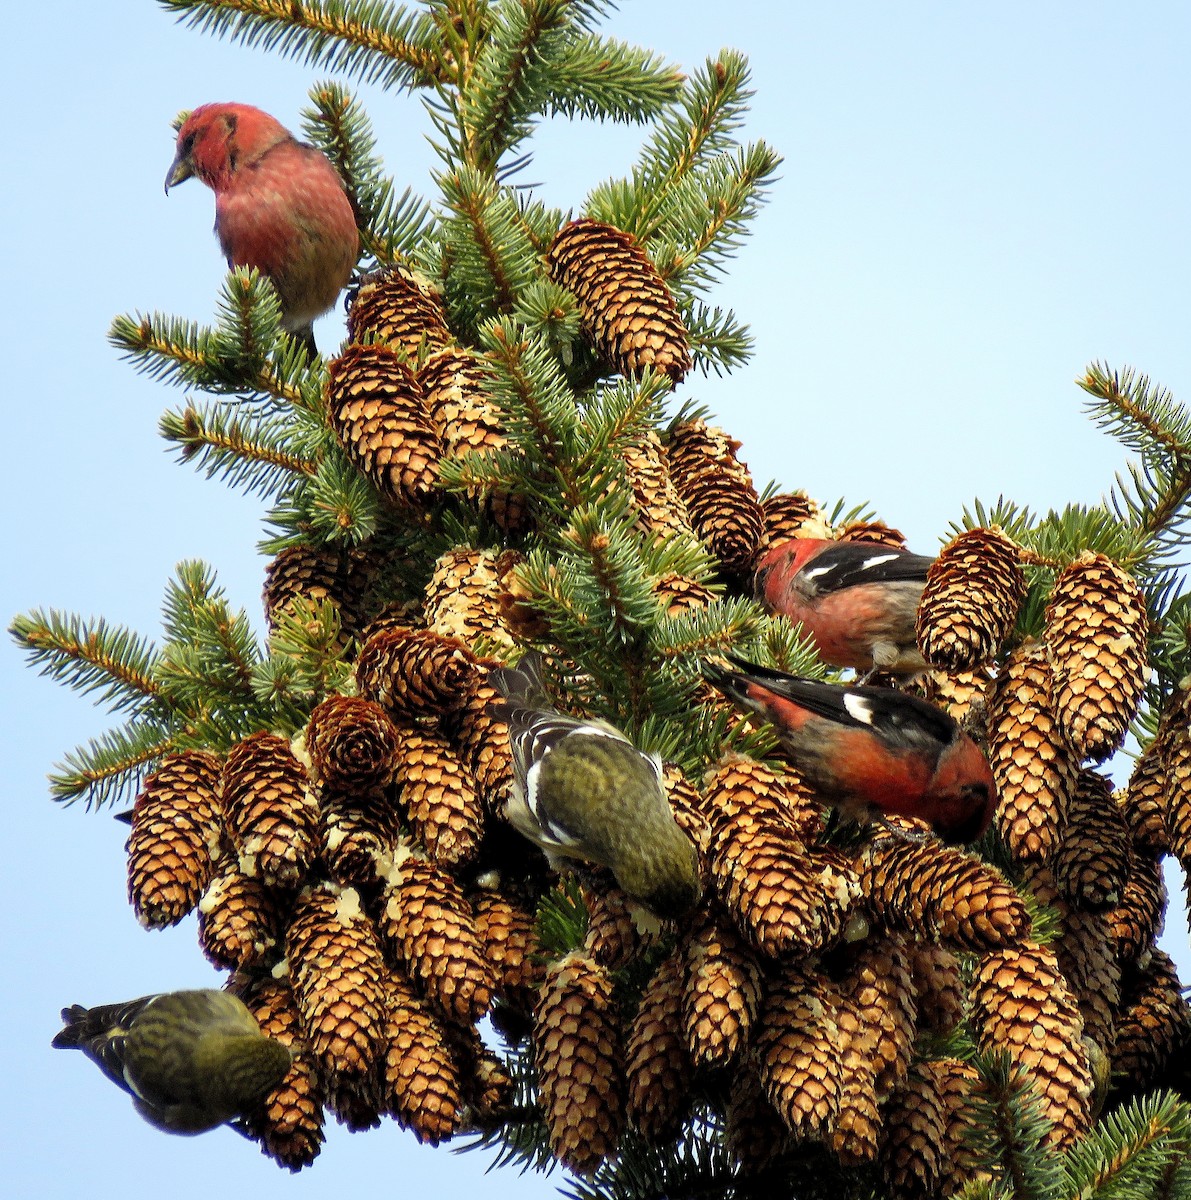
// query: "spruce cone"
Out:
[427,925]
[508,933]
[752,795]
[1021,1003]
[722,992]
[378,415]
[962,695]
[1032,765]
[1096,629]
[957,1081]
[439,798]
[876,532]
[789,515]
[338,981]
[352,744]
[613,938]
[416,673]
[1138,918]
[938,988]
[482,740]
[756,1136]
[855,1134]
[357,1104]
[1175,751]
[687,803]
[658,1067]
[176,823]
[398,309]
[239,919]
[421,1076]
[914,1149]
[718,492]
[879,989]
[314,574]
[1091,864]
[466,420]
[782,898]
[660,509]
[1087,954]
[463,598]
[1144,802]
[680,594]
[625,308]
[973,591]
[937,892]
[359,834]
[271,816]
[1154,1029]
[798,1051]
[289,1122]
[486,1087]
[578,1056]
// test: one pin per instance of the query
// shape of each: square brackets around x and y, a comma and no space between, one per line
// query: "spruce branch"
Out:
[109,769]
[371,40]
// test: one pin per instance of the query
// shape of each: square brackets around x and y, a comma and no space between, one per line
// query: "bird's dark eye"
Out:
[188,143]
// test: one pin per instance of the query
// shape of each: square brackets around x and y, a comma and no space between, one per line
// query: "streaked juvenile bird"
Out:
[190,1060]
[870,751]
[856,600]
[582,790]
[280,206]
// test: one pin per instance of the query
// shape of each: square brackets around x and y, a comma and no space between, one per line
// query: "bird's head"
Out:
[216,139]
[962,796]
[787,559]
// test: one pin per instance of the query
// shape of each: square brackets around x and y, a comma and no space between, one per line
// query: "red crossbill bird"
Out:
[856,600]
[870,751]
[190,1060]
[280,207]
[581,789]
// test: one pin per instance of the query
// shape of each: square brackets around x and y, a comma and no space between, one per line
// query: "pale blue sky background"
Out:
[976,202]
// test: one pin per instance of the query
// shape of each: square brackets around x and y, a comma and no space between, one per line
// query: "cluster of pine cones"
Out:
[374,907]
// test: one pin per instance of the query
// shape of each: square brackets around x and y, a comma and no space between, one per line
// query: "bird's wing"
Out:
[849,564]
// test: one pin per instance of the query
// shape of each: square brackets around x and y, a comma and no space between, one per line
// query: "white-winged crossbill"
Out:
[582,790]
[190,1060]
[871,751]
[280,207]
[856,600]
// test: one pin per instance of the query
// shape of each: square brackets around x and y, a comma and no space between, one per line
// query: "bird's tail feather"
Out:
[522,684]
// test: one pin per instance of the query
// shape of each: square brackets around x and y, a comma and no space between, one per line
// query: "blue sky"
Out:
[976,202]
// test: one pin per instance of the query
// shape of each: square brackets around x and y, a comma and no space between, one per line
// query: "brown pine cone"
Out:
[420,1076]
[625,308]
[613,938]
[239,919]
[1154,1031]
[718,492]
[856,1132]
[752,795]
[485,1086]
[337,975]
[439,798]
[1096,628]
[939,893]
[271,816]
[1034,769]
[482,740]
[755,1135]
[357,837]
[957,1083]
[463,599]
[1175,751]
[722,992]
[687,803]
[508,933]
[352,745]
[398,308]
[416,673]
[679,594]
[1087,954]
[176,823]
[938,987]
[378,415]
[781,897]
[1091,864]
[876,532]
[798,1051]
[312,575]
[578,1056]
[660,509]
[1143,804]
[914,1148]
[289,1122]
[879,988]
[658,1067]
[789,515]
[973,591]
[1021,1003]
[1137,918]
[962,695]
[427,925]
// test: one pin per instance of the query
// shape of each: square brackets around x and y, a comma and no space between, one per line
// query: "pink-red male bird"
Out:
[856,600]
[280,207]
[871,750]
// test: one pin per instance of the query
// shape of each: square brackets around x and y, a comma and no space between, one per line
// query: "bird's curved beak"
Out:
[181,169]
